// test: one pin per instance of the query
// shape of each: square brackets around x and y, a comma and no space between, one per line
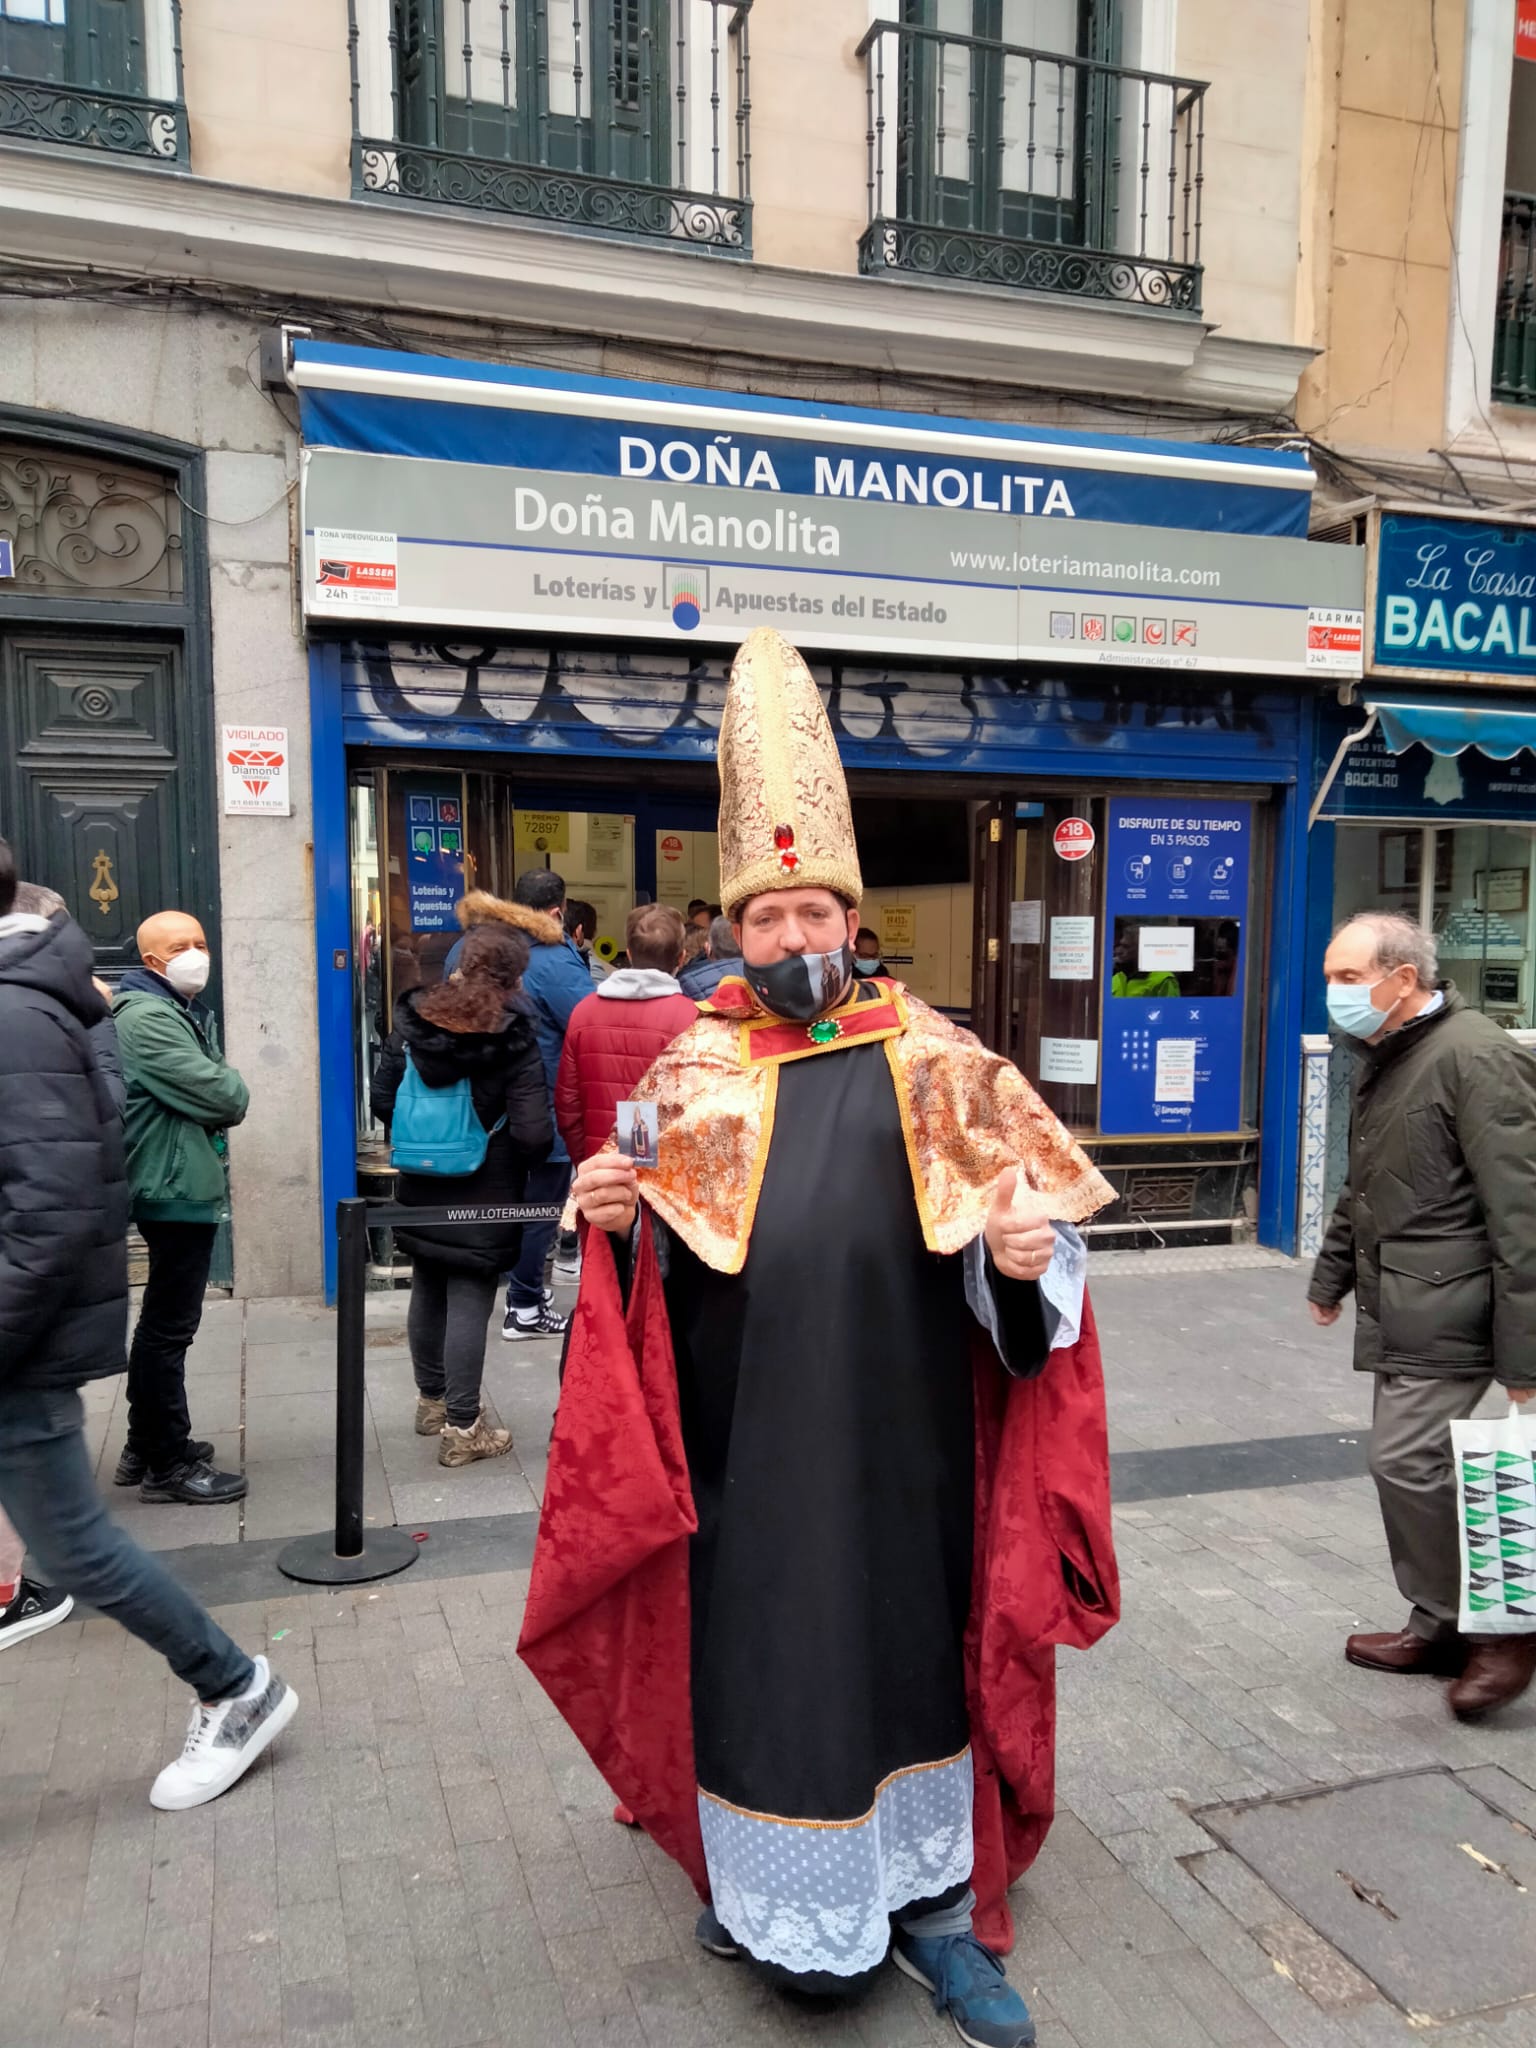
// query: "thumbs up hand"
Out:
[1018,1231]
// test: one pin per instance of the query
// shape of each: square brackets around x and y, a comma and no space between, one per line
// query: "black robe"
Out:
[827,1410]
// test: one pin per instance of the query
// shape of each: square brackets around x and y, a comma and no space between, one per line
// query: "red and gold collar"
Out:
[863,1019]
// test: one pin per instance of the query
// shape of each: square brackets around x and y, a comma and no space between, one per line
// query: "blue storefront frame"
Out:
[1140,727]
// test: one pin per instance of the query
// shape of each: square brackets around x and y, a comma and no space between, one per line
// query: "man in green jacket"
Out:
[1435,1235]
[182,1097]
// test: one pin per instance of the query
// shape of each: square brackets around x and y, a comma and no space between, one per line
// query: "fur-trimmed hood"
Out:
[481,907]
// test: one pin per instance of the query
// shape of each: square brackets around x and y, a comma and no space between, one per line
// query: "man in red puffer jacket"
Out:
[617,1031]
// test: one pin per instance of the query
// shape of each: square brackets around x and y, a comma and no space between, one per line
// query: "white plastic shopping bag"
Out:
[1496,1498]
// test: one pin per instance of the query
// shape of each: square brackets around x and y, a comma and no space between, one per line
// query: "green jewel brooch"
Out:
[824,1030]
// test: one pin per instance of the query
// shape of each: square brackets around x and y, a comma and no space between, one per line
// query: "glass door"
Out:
[518,81]
[1008,135]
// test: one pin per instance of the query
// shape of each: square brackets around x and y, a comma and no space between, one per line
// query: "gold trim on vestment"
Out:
[780,1820]
[909,1143]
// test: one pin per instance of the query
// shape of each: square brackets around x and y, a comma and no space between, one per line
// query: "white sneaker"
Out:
[224,1740]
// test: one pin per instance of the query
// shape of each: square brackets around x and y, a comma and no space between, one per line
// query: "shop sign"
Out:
[1455,595]
[1073,839]
[1335,641]
[504,550]
[898,930]
[355,570]
[254,761]
[434,851]
[1373,782]
[542,831]
[639,517]
[1176,901]
[1525,29]
[589,431]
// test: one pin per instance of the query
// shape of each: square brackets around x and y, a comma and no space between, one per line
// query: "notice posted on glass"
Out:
[1072,948]
[1072,1060]
[1174,1080]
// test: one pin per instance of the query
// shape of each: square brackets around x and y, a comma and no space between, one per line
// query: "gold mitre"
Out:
[784,819]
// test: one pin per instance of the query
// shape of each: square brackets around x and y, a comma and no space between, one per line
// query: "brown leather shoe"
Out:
[1408,1653]
[1498,1671]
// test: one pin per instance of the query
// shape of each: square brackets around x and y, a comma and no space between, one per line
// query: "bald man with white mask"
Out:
[182,1097]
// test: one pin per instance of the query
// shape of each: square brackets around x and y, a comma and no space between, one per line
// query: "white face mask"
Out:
[188,972]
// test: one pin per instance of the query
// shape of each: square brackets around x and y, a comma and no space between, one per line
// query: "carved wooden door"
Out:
[90,794]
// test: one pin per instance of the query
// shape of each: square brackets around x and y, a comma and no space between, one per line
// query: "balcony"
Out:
[94,74]
[604,116]
[992,163]
[1514,324]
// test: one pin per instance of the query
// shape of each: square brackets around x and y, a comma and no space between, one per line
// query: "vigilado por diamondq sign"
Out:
[503,503]
[1455,594]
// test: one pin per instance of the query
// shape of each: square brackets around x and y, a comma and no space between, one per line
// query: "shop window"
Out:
[595,853]
[915,856]
[1471,885]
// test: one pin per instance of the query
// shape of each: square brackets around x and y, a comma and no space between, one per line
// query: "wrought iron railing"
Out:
[95,74]
[610,116]
[997,164]
[1514,326]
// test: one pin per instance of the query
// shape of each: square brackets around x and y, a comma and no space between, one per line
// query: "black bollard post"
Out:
[351,1286]
[351,1555]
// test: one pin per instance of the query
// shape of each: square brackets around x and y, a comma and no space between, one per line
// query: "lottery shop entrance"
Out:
[1134,1004]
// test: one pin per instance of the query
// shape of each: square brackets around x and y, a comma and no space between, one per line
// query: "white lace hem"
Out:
[819,1895]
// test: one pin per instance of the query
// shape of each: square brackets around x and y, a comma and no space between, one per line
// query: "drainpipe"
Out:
[1350,739]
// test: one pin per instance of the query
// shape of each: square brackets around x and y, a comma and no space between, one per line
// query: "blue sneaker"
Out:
[710,1934]
[968,1982]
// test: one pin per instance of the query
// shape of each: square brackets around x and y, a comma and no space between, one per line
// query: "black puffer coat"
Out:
[506,1077]
[63,1183]
[1435,1229]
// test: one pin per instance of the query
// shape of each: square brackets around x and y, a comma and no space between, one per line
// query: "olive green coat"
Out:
[1435,1229]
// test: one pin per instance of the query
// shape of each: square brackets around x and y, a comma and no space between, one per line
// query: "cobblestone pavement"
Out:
[429,1860]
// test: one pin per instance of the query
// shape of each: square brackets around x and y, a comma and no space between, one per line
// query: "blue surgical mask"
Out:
[867,967]
[1350,1009]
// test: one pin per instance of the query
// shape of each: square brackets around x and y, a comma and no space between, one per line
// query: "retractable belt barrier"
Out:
[352,1554]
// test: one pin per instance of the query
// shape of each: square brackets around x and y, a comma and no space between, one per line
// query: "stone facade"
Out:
[183,375]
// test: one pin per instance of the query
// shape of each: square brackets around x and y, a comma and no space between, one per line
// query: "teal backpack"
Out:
[436,1130]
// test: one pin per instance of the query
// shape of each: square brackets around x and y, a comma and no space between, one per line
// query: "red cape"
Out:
[606,1627]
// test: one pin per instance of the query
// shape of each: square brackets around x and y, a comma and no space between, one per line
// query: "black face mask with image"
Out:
[804,986]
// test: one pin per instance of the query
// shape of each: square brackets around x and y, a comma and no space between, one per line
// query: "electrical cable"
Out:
[1349,474]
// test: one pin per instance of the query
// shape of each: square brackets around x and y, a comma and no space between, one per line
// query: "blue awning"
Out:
[1449,725]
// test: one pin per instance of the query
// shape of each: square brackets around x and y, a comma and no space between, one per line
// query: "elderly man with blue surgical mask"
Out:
[1435,1235]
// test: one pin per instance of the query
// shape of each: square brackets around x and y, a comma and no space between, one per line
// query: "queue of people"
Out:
[542,1050]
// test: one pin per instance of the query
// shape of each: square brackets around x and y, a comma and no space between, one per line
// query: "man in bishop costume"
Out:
[829,1477]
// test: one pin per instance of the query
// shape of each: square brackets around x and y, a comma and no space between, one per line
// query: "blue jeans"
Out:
[49,1491]
[550,1182]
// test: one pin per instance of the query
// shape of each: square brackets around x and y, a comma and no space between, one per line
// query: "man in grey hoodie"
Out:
[615,1034]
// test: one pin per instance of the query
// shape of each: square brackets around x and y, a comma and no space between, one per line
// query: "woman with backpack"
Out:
[461,1085]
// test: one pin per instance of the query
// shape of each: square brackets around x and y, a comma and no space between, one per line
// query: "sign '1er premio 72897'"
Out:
[476,496]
